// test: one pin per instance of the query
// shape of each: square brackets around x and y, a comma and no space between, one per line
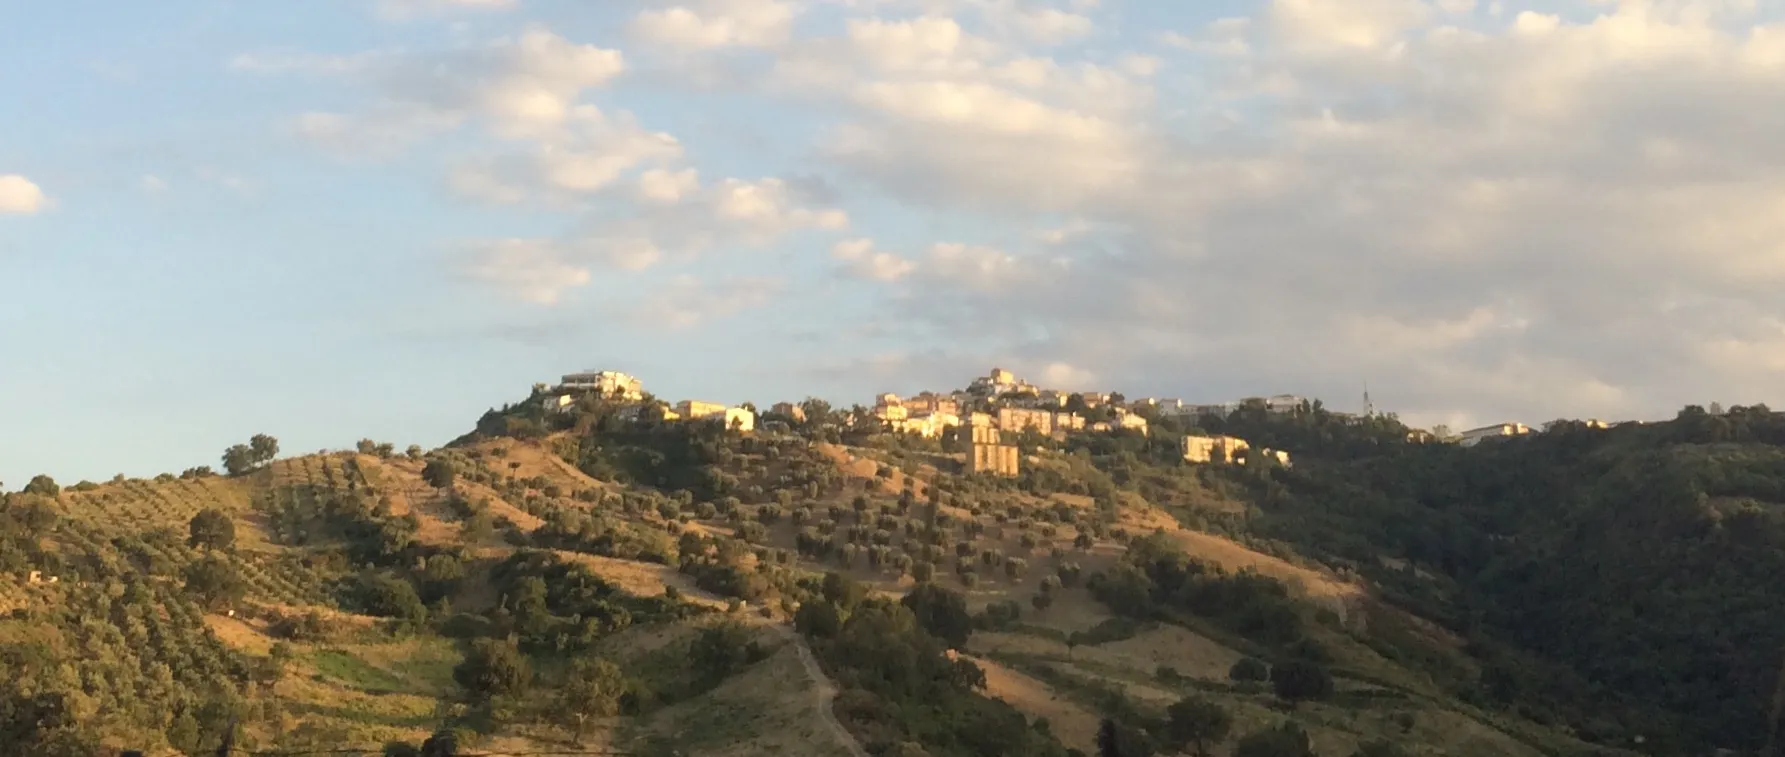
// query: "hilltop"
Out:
[593,567]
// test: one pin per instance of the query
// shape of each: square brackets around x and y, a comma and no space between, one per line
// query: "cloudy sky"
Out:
[344,218]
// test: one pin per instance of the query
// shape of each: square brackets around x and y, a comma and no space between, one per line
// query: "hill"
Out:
[578,579]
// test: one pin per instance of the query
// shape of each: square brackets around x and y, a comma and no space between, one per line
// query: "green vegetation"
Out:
[583,578]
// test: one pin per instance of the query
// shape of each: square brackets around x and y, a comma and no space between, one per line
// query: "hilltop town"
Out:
[1000,570]
[988,418]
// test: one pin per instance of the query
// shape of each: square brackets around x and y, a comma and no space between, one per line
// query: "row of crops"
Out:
[137,505]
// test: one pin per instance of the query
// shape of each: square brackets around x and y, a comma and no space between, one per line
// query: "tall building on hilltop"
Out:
[985,453]
[608,383]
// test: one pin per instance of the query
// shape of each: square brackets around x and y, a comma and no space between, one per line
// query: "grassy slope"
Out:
[1440,725]
[370,691]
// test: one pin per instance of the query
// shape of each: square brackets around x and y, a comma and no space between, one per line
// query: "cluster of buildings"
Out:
[623,387]
[1003,402]
[1229,450]
[1476,436]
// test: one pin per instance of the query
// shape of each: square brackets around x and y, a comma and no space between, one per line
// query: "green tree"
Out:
[213,582]
[1298,681]
[721,650]
[43,485]
[392,597]
[923,572]
[438,473]
[1194,722]
[941,612]
[493,668]
[1121,740]
[818,620]
[211,529]
[264,448]
[1286,740]
[838,590]
[1249,669]
[444,743]
[42,724]
[592,691]
[238,459]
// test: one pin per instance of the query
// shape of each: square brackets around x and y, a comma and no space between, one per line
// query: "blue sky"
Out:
[376,218]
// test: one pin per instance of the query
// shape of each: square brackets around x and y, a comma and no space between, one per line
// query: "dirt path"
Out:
[825,693]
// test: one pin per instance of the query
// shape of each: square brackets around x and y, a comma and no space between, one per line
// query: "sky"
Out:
[340,219]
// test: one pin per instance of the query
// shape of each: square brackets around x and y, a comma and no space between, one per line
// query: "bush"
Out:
[1249,669]
[1300,680]
[493,668]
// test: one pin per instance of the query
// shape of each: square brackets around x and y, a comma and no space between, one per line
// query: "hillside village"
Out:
[1003,570]
[1001,406]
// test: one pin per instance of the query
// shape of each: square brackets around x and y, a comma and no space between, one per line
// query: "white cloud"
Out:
[668,187]
[1567,215]
[1479,211]
[152,184]
[407,9]
[642,230]
[524,86]
[19,196]
[688,301]
[1068,377]
[932,103]
[532,270]
[590,152]
[1321,25]
[715,24]
[861,260]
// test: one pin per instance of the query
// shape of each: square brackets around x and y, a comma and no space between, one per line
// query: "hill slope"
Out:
[548,581]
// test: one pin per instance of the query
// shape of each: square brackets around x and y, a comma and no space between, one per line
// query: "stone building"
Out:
[985,453]
[789,410]
[1012,420]
[1214,449]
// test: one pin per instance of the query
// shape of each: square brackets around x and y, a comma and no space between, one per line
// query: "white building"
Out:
[608,383]
[1475,436]
[1283,403]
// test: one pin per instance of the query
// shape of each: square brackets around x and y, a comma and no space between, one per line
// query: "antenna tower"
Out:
[1369,407]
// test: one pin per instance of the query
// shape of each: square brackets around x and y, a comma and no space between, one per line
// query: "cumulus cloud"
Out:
[934,107]
[861,260]
[518,87]
[715,24]
[669,217]
[1479,210]
[1551,216]
[20,196]
[590,152]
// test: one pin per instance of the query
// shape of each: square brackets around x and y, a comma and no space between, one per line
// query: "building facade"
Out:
[985,453]
[789,410]
[1214,449]
[1014,420]
[692,409]
[612,384]
[1476,436]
